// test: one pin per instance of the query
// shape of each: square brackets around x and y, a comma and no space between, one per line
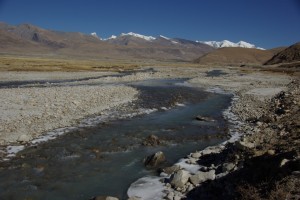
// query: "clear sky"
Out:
[265,23]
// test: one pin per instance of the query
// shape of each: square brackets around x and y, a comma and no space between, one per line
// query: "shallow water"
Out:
[106,159]
[215,73]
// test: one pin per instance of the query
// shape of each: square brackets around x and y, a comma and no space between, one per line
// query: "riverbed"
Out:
[106,158]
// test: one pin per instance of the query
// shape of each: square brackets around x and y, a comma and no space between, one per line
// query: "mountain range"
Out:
[226,43]
[30,40]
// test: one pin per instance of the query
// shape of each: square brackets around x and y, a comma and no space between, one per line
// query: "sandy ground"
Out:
[26,113]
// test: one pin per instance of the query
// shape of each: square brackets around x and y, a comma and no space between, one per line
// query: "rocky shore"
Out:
[263,164]
[260,161]
[264,144]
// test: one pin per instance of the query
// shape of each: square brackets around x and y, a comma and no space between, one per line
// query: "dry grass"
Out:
[18,63]
[27,63]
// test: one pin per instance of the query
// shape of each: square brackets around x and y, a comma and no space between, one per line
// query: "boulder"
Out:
[196,155]
[151,140]
[24,138]
[204,119]
[172,169]
[180,178]
[155,159]
[244,145]
[227,167]
[200,177]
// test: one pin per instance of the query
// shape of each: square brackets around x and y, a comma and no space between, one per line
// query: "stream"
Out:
[107,158]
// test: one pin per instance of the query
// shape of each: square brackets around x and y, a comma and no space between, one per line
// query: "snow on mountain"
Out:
[166,38]
[111,37]
[227,43]
[94,34]
[148,38]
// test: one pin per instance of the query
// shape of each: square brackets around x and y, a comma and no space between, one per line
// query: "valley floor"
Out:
[28,112]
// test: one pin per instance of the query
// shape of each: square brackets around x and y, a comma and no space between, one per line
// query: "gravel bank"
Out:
[27,113]
[192,176]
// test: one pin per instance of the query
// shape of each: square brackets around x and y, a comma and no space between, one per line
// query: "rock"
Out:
[151,140]
[104,198]
[172,169]
[192,161]
[211,150]
[170,196]
[190,188]
[177,197]
[155,159]
[227,167]
[180,178]
[196,155]
[283,162]
[204,119]
[24,138]
[244,145]
[135,198]
[271,152]
[200,177]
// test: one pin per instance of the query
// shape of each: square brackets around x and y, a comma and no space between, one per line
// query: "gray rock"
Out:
[205,119]
[155,159]
[244,145]
[170,196]
[151,140]
[177,197]
[283,162]
[180,178]
[227,167]
[211,150]
[196,155]
[202,177]
[24,138]
[172,169]
[192,161]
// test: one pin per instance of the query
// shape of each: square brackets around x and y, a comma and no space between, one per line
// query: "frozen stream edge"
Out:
[152,188]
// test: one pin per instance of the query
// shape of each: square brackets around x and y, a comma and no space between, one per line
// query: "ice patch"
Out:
[234,123]
[192,168]
[52,135]
[217,90]
[13,150]
[185,84]
[147,188]
[180,104]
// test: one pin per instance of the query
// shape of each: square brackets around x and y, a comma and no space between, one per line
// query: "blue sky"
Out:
[266,23]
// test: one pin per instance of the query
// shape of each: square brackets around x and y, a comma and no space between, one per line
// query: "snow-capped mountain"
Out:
[148,38]
[94,34]
[227,43]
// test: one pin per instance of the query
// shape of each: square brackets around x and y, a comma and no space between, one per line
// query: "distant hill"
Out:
[288,55]
[28,39]
[236,56]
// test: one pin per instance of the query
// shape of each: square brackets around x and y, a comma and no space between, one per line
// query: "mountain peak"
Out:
[227,43]
[94,34]
[148,38]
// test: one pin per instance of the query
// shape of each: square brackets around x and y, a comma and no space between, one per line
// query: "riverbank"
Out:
[254,91]
[27,113]
[264,104]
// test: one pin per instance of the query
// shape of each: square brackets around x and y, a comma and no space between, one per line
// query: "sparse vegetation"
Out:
[22,63]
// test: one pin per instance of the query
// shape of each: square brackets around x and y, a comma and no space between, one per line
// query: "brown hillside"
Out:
[236,56]
[26,39]
[290,54]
